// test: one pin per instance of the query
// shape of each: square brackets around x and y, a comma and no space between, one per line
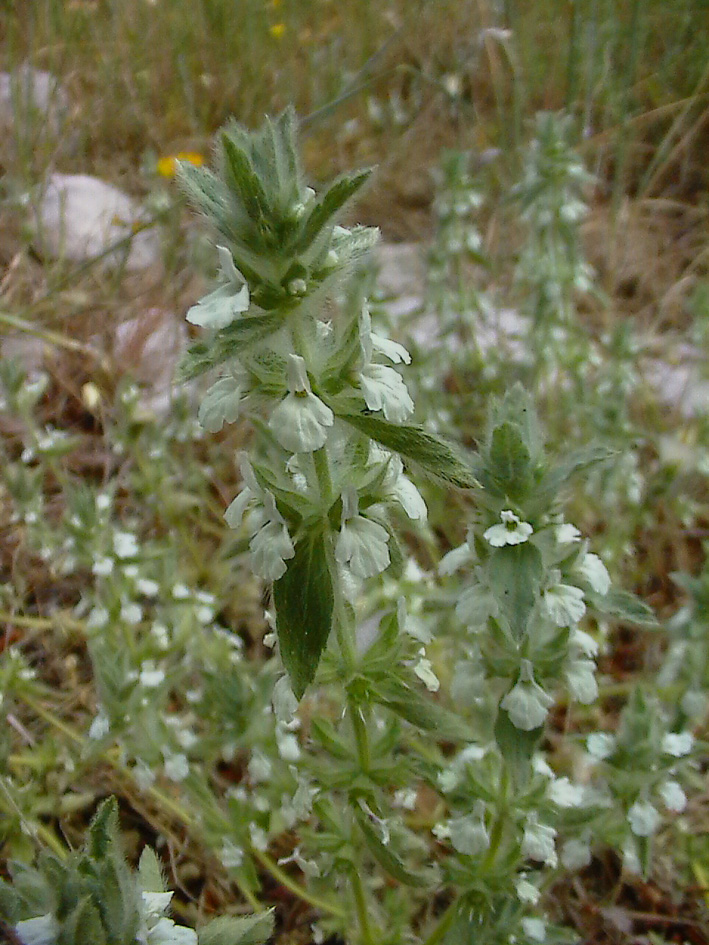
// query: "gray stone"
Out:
[33,105]
[78,217]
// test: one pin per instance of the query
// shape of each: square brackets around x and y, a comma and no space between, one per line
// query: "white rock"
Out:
[401,276]
[78,217]
[29,96]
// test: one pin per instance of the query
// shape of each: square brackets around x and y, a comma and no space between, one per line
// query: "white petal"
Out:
[42,930]
[301,422]
[390,349]
[677,744]
[270,547]
[384,389]
[220,308]
[235,512]
[363,545]
[595,572]
[564,604]
[643,818]
[581,679]
[455,559]
[410,499]
[673,796]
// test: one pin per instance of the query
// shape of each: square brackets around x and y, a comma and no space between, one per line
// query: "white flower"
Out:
[527,703]
[270,548]
[222,306]
[567,533]
[301,421]
[565,794]
[362,543]
[150,677]
[581,680]
[166,932]
[512,531]
[631,860]
[285,704]
[424,671]
[456,559]
[287,742]
[125,544]
[643,818]
[230,855]
[259,767]
[400,488]
[42,930]
[526,891]
[564,604]
[600,745]
[594,570]
[147,587]
[468,834]
[673,796]
[390,349]
[99,727]
[102,567]
[538,841]
[583,642]
[677,744]
[576,853]
[535,929]
[384,389]
[176,767]
[131,613]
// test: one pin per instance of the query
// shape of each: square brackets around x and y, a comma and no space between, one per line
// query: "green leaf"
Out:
[419,709]
[510,460]
[575,462]
[304,602]
[517,747]
[515,573]
[103,833]
[247,930]
[622,605]
[228,343]
[150,872]
[438,457]
[83,926]
[387,858]
[334,199]
[244,180]
[324,732]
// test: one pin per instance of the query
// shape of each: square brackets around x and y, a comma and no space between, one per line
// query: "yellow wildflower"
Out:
[167,166]
[277,30]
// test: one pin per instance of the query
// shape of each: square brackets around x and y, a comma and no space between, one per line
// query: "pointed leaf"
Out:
[515,573]
[516,746]
[434,454]
[387,858]
[244,179]
[623,606]
[510,459]
[329,204]
[577,461]
[304,602]
[228,343]
[247,930]
[150,871]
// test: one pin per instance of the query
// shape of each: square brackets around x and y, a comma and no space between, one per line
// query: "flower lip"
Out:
[511,531]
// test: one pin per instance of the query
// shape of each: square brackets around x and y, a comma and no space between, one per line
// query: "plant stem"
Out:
[361,905]
[286,881]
